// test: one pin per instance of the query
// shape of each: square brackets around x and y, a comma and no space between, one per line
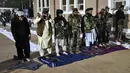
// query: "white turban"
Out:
[20,13]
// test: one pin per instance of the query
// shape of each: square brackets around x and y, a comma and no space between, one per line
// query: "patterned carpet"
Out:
[32,65]
[55,61]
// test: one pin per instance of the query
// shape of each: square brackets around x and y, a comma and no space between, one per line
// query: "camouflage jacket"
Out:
[60,26]
[107,21]
[75,21]
[88,23]
[99,22]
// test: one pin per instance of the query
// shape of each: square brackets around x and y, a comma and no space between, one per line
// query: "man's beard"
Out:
[21,19]
[44,17]
[89,13]
[75,14]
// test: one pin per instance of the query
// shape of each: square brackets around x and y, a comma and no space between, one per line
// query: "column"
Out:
[37,5]
[110,4]
[49,4]
[128,5]
[60,4]
[67,5]
[45,3]
[75,3]
[127,2]
[84,2]
[35,9]
[41,4]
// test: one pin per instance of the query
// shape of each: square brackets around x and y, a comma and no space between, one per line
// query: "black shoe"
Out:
[17,58]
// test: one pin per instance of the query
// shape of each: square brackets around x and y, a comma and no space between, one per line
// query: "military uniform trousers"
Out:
[74,40]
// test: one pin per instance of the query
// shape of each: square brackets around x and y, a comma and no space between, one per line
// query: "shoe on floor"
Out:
[118,43]
[57,54]
[27,60]
[100,45]
[65,53]
[16,58]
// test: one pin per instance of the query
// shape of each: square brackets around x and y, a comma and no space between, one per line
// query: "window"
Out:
[114,5]
[43,4]
[71,4]
[47,3]
[81,4]
[39,5]
[117,4]
[64,5]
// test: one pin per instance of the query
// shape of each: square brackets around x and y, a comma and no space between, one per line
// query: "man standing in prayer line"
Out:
[21,33]
[104,28]
[120,17]
[39,29]
[74,20]
[99,24]
[88,28]
[44,32]
[60,26]
[108,24]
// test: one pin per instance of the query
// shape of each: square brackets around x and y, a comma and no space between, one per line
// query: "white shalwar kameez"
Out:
[90,37]
[45,41]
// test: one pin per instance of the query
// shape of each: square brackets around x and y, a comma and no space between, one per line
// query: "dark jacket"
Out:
[119,15]
[20,29]
[40,28]
[41,25]
[75,21]
[60,26]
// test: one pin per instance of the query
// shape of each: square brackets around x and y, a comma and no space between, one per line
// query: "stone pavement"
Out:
[116,62]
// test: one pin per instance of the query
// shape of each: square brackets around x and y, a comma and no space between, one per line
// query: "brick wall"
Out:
[35,7]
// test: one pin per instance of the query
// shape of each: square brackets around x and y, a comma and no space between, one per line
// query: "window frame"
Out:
[126,7]
[45,5]
[68,11]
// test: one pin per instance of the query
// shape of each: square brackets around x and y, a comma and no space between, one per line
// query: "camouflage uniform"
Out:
[107,25]
[60,26]
[103,26]
[88,28]
[99,28]
[75,22]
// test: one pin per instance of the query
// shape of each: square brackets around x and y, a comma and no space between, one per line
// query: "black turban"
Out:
[88,9]
[75,9]
[59,11]
[45,10]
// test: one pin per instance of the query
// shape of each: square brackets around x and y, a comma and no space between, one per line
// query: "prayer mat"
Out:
[32,65]
[86,53]
[62,60]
